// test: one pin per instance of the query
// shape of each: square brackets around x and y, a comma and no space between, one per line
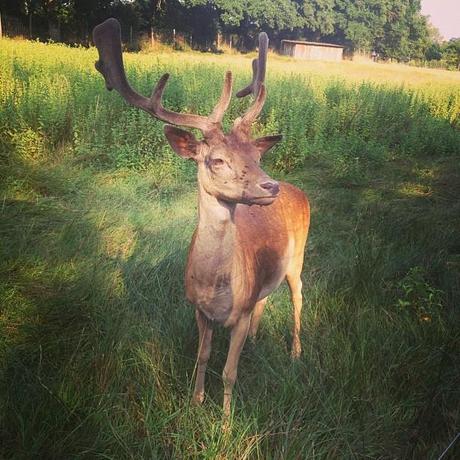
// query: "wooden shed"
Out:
[312,50]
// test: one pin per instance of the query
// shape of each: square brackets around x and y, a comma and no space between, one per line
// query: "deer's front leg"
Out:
[237,339]
[256,317]
[204,351]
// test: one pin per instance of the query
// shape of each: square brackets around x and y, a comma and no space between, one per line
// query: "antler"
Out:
[107,38]
[242,125]
[258,69]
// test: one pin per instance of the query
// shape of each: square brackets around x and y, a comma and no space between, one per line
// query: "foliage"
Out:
[418,297]
[433,52]
[394,28]
[97,342]
[451,53]
[445,54]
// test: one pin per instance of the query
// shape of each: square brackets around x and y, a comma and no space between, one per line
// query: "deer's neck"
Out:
[216,228]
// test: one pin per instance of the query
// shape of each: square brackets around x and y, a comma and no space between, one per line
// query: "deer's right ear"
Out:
[264,144]
[182,142]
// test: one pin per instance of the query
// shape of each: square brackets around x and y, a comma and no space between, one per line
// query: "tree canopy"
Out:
[393,28]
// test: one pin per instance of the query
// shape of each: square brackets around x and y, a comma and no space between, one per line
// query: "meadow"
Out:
[97,341]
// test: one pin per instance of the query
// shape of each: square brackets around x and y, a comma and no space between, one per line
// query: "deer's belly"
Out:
[216,293]
[217,303]
[273,283]
[276,272]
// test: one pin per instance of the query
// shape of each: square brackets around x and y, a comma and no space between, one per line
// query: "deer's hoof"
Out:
[226,425]
[198,398]
[296,351]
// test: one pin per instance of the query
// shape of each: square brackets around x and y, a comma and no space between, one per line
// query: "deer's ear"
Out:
[264,144]
[182,142]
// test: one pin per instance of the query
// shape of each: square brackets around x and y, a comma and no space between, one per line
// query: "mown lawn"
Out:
[97,341]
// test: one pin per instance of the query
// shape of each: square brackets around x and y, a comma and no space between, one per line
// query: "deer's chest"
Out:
[217,285]
[208,278]
[209,288]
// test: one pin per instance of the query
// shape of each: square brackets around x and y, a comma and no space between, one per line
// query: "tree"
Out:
[433,52]
[361,22]
[320,17]
[394,28]
[248,17]
[451,53]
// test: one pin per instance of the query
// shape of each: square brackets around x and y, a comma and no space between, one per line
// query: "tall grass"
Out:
[57,93]
[97,345]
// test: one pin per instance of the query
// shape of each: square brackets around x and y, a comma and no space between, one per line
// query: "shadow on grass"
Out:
[392,261]
[84,332]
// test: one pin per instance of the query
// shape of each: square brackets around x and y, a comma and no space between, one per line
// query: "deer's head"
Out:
[228,164]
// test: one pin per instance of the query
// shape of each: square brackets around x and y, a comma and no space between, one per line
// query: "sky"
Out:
[445,15]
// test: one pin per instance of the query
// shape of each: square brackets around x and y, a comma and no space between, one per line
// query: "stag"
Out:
[251,231]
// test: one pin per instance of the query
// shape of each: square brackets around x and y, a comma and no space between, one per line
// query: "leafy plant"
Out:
[418,297]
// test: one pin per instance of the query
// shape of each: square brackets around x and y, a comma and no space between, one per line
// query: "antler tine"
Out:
[217,114]
[182,119]
[107,38]
[248,90]
[205,124]
[243,124]
[258,69]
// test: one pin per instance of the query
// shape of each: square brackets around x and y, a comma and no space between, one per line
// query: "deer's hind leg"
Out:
[295,285]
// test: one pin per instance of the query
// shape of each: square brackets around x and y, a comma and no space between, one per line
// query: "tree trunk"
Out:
[54,30]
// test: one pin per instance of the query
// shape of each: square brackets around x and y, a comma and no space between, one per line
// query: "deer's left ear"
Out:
[182,142]
[264,144]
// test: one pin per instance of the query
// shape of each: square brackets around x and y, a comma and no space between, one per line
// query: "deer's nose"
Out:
[271,186]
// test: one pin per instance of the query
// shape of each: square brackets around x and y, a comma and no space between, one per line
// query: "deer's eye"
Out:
[216,162]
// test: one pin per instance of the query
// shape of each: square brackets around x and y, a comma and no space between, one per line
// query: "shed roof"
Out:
[300,42]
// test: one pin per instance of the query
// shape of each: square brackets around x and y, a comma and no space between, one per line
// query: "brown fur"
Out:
[251,232]
[239,254]
[262,237]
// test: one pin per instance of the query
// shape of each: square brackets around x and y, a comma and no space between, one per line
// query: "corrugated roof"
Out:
[300,42]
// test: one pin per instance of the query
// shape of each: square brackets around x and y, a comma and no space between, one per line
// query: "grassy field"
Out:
[97,341]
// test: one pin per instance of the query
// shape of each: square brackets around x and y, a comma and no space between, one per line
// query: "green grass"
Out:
[97,342]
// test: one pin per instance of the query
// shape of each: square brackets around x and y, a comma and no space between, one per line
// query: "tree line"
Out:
[392,28]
